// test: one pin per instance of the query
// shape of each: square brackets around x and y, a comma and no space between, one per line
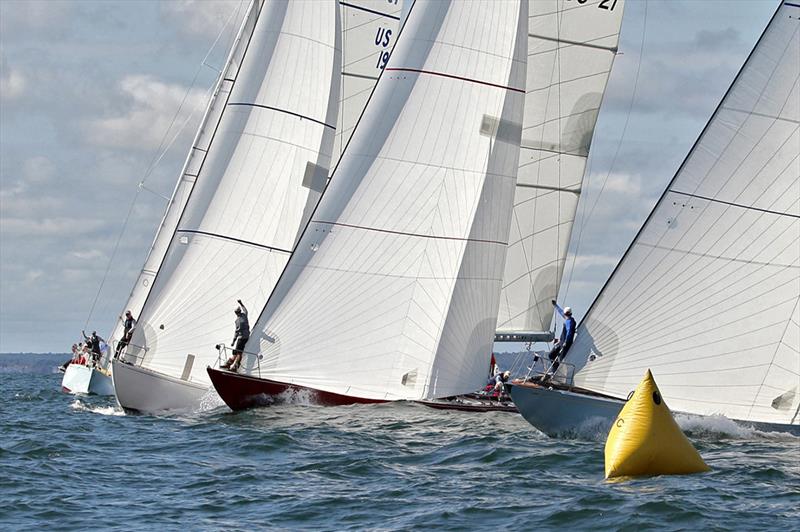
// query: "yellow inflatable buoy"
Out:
[646,440]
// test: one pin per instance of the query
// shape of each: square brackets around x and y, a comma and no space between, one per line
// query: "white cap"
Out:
[568,310]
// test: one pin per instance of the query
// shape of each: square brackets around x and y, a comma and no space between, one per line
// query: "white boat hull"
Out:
[143,390]
[86,380]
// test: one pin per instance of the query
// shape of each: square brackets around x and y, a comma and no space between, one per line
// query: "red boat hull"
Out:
[241,392]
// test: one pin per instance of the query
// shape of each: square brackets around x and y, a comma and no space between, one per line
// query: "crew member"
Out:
[240,337]
[564,342]
[129,325]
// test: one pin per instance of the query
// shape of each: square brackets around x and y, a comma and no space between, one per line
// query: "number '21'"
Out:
[604,4]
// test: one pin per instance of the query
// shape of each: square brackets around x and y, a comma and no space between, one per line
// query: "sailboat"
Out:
[392,291]
[285,103]
[571,48]
[707,296]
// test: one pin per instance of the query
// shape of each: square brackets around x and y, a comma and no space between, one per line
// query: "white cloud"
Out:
[12,82]
[89,254]
[584,262]
[201,17]
[153,106]
[58,226]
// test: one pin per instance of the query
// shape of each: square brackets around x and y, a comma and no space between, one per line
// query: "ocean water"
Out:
[73,462]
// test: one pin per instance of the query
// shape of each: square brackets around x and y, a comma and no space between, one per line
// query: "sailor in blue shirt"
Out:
[564,342]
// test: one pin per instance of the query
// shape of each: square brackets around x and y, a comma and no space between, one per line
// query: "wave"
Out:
[717,427]
[102,410]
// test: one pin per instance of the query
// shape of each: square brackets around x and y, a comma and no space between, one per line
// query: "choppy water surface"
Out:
[79,462]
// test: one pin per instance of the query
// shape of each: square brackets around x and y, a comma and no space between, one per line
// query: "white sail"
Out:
[256,184]
[707,295]
[392,292]
[194,161]
[571,47]
[369,29]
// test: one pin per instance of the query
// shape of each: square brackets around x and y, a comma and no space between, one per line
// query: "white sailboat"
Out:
[708,294]
[255,172]
[392,292]
[164,379]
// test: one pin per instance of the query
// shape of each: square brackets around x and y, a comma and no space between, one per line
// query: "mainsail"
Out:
[571,47]
[392,291]
[255,179]
[708,294]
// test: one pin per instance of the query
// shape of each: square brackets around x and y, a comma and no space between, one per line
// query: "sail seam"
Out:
[366,9]
[361,76]
[768,211]
[576,43]
[452,76]
[437,237]
[730,259]
[278,109]
[764,115]
[576,191]
[233,239]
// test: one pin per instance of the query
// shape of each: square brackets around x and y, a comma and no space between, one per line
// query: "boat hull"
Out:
[143,390]
[85,380]
[561,412]
[241,392]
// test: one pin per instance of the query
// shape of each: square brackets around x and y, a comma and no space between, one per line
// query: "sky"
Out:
[92,91]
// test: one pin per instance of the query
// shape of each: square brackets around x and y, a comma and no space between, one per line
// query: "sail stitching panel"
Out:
[749,207]
[368,10]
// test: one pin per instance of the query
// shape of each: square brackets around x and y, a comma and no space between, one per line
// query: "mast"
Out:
[571,48]
[708,293]
[392,290]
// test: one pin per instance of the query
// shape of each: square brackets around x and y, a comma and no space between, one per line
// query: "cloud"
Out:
[38,169]
[200,17]
[12,82]
[152,106]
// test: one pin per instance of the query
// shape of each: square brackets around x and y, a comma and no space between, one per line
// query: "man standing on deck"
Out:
[93,342]
[240,337]
[564,342]
[129,324]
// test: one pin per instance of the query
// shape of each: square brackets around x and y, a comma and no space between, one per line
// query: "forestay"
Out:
[707,295]
[392,292]
[571,47]
[256,185]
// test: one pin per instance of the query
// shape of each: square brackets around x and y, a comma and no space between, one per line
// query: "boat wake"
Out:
[102,410]
[210,401]
[722,427]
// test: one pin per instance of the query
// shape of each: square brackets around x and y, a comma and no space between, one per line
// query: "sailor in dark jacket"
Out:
[128,325]
[240,337]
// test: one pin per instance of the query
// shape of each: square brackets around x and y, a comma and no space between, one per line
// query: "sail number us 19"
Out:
[603,4]
[383,37]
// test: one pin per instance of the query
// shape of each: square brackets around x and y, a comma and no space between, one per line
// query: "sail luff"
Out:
[426,180]
[722,241]
[571,48]
[155,255]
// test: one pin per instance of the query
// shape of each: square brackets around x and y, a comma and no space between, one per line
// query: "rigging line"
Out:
[682,166]
[748,207]
[404,233]
[111,258]
[585,217]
